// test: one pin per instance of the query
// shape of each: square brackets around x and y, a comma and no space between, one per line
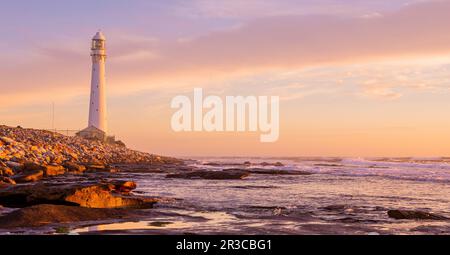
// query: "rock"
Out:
[58,160]
[276,172]
[120,143]
[92,195]
[31,167]
[414,215]
[73,156]
[7,140]
[7,180]
[101,197]
[337,207]
[211,175]
[224,164]
[124,186]
[438,229]
[269,171]
[40,215]
[14,165]
[101,169]
[213,164]
[40,146]
[272,164]
[96,167]
[73,167]
[278,164]
[4,185]
[330,165]
[113,170]
[52,170]
[3,155]
[6,171]
[30,176]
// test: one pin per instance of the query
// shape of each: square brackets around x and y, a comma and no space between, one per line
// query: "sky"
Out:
[356,78]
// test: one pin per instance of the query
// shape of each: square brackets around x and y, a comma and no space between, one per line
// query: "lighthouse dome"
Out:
[99,36]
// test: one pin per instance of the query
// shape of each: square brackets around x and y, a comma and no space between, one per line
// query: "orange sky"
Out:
[367,81]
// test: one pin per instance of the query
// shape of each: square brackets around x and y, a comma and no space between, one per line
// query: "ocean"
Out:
[341,196]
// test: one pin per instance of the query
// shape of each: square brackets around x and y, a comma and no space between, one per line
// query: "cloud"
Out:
[381,91]
[257,9]
[268,44]
[287,41]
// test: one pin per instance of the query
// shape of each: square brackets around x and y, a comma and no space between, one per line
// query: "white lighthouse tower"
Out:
[97,125]
[97,105]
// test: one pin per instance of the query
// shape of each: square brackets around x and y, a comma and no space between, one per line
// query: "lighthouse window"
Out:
[97,44]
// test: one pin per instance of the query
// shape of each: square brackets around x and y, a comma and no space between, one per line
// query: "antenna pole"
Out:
[53,116]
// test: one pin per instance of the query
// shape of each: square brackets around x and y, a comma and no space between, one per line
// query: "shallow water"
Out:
[343,196]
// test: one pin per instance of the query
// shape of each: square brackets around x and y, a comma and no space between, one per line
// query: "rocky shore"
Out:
[57,178]
[57,182]
[19,145]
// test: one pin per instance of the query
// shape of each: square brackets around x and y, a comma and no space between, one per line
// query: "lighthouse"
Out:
[97,126]
[97,104]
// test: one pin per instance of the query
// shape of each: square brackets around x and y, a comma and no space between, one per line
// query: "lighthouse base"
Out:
[94,134]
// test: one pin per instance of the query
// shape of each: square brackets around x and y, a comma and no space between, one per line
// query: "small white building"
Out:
[92,133]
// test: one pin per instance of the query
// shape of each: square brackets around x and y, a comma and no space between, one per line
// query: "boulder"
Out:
[211,175]
[414,215]
[30,176]
[226,164]
[92,195]
[7,140]
[74,167]
[278,164]
[96,167]
[271,164]
[124,186]
[337,207]
[276,171]
[100,168]
[31,167]
[100,196]
[7,180]
[40,215]
[120,144]
[53,170]
[14,165]
[6,171]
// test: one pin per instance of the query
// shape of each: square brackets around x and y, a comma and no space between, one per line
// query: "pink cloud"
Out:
[309,40]
[262,44]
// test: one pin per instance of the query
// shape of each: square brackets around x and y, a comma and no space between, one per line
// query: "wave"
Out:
[412,169]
